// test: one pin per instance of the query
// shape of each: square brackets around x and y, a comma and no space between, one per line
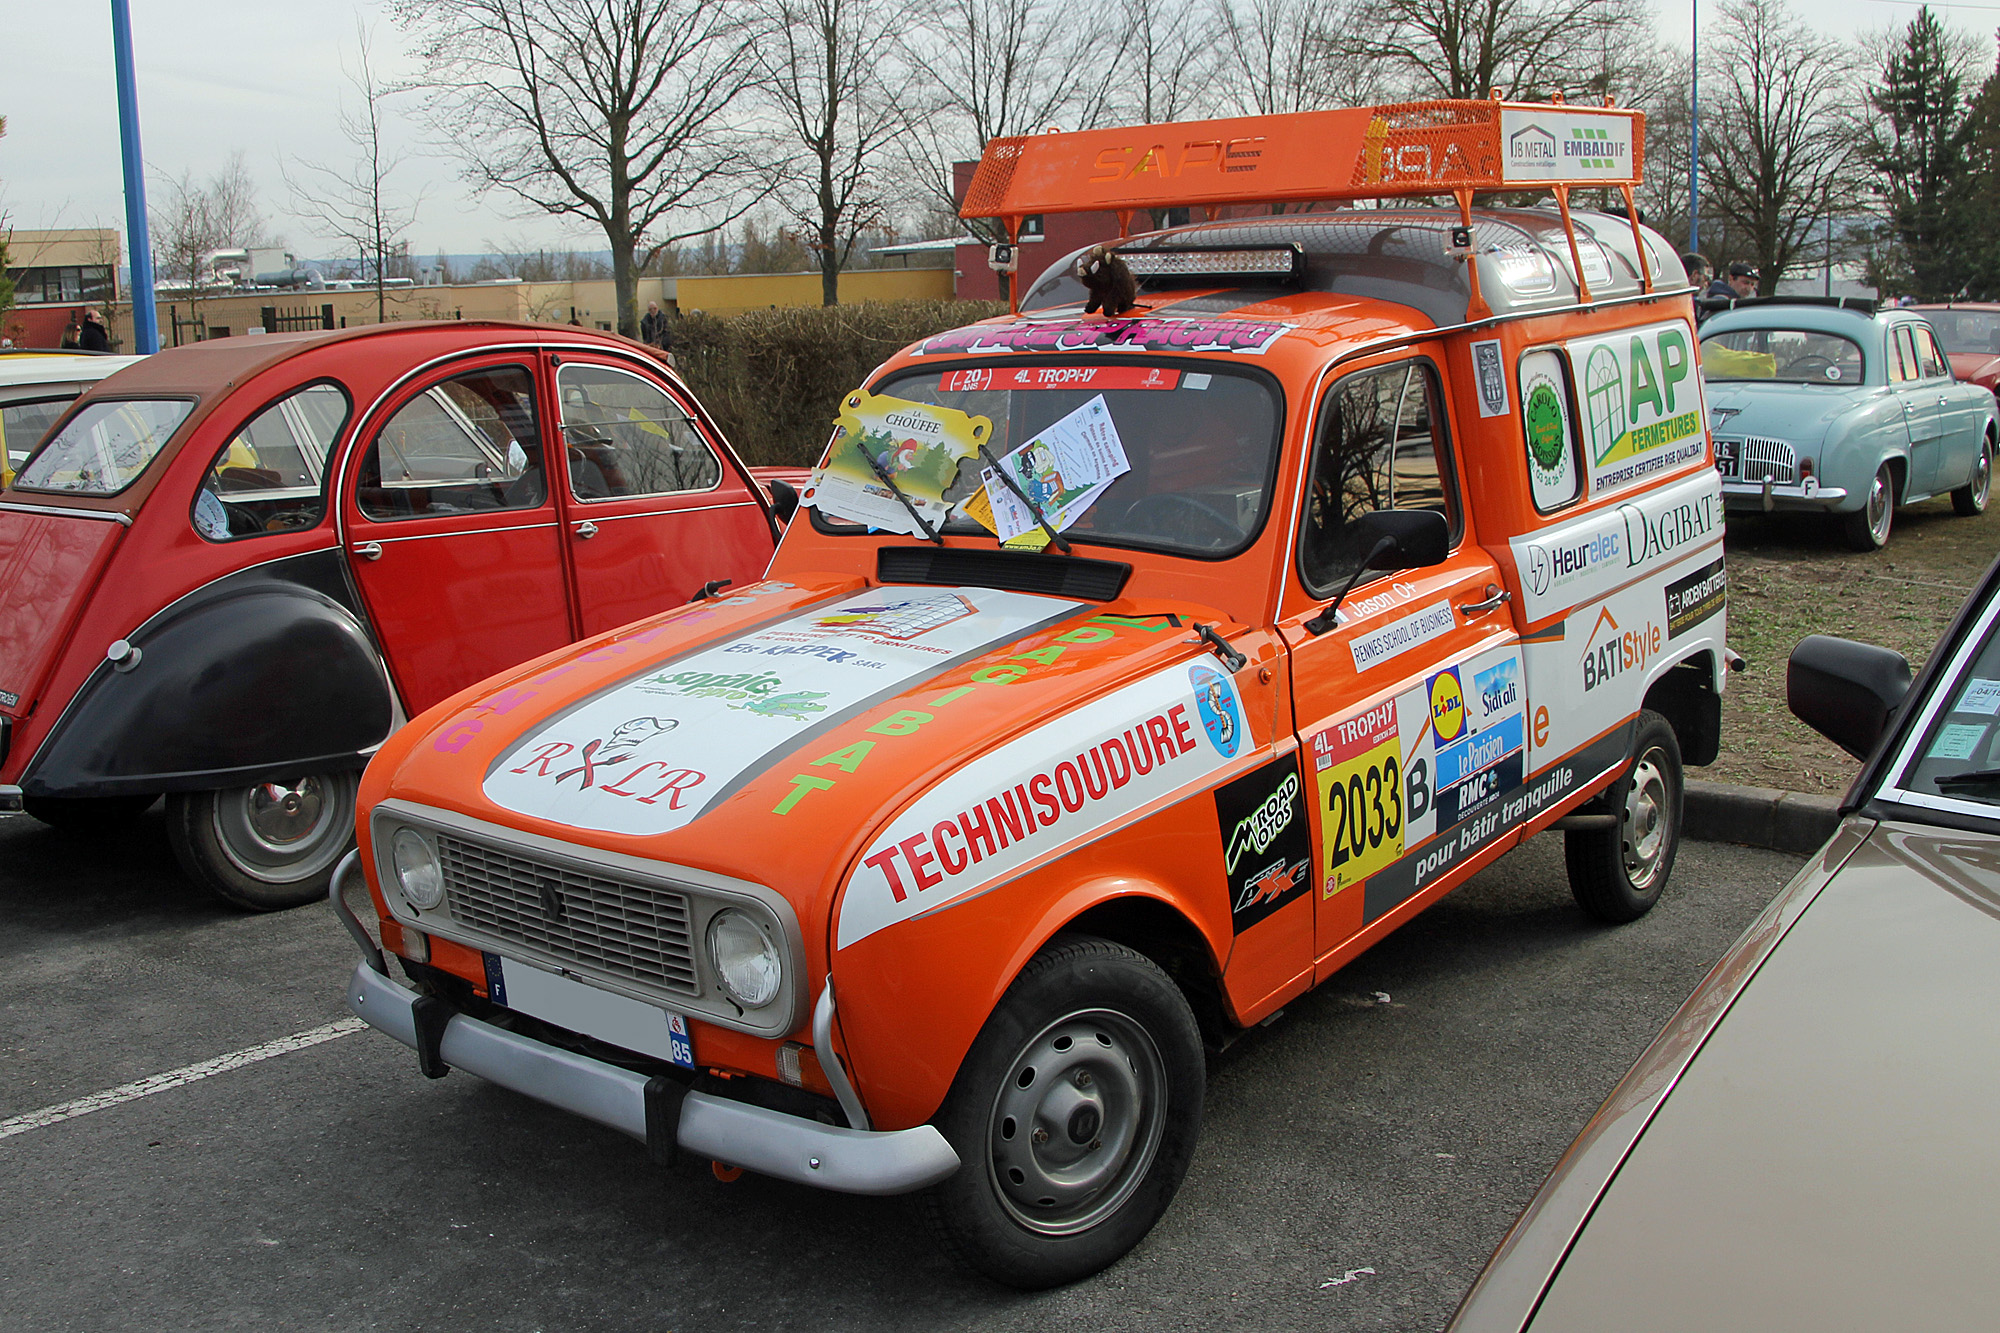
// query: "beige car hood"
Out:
[1831,1158]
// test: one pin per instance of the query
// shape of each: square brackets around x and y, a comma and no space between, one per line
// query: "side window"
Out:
[1555,472]
[468,444]
[22,425]
[1382,444]
[269,477]
[1934,362]
[624,436]
[1904,366]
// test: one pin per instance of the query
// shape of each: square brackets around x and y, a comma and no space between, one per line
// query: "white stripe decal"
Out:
[174,1078]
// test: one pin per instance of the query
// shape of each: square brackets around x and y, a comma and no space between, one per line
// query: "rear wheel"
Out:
[1617,873]
[1970,499]
[1074,1117]
[87,814]
[268,846]
[1867,528]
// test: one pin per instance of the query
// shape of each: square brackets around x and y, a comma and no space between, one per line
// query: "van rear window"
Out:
[103,448]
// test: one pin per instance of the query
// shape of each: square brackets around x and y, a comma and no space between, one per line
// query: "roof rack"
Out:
[1396,150]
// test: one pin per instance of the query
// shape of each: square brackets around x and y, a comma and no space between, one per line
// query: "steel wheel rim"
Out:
[282,833]
[1879,508]
[1982,477]
[1646,821]
[1077,1122]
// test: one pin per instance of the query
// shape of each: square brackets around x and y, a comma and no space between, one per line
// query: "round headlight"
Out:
[746,958]
[417,869]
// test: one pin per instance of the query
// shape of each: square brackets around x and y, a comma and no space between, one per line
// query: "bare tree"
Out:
[1170,67]
[1777,143]
[616,112]
[1286,55]
[1466,48]
[196,218]
[831,71]
[354,203]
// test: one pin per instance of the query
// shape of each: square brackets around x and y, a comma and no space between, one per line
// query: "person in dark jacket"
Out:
[653,326]
[94,337]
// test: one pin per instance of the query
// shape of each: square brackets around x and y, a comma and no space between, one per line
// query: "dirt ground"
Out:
[1790,576]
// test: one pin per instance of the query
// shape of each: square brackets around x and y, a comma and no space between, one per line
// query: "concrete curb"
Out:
[1779,821]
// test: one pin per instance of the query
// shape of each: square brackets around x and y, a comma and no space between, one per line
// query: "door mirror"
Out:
[1389,539]
[784,499]
[1846,691]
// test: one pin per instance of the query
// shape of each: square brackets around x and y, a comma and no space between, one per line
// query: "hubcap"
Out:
[1646,820]
[1077,1121]
[1881,504]
[1982,480]
[282,833]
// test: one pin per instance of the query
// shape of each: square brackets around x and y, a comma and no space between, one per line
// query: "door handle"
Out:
[586,530]
[369,550]
[1943,399]
[1495,596]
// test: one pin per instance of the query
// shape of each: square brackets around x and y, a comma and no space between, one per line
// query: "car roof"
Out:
[26,369]
[1846,320]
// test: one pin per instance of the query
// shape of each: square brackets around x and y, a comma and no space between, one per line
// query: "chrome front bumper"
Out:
[1769,494]
[657,1111]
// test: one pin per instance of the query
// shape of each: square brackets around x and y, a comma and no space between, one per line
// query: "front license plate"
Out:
[633,1024]
[1725,458]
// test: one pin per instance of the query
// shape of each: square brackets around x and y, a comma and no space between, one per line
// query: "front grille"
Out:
[1761,458]
[631,931]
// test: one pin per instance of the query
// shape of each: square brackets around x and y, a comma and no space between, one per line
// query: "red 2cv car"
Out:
[235,567]
[1135,671]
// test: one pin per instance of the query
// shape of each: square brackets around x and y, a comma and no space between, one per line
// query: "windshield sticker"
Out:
[1398,637]
[1110,335]
[1061,472]
[650,754]
[890,462]
[1957,740]
[1266,847]
[1981,696]
[1642,405]
[1030,799]
[991,379]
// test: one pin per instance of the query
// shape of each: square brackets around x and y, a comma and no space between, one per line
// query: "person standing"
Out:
[72,336]
[1741,284]
[95,337]
[1699,270]
[653,327]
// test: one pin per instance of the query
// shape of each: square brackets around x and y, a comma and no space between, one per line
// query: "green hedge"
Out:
[774,378]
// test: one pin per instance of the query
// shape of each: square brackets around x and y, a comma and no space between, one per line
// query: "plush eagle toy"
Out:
[1112,287]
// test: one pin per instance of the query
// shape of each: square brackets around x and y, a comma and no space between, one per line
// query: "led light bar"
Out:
[1282,262]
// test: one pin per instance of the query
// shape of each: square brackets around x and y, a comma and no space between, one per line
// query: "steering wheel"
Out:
[1811,361]
[1183,520]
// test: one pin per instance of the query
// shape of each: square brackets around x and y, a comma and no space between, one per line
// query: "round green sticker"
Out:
[1545,427]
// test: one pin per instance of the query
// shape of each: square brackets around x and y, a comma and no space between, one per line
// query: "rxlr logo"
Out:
[625,743]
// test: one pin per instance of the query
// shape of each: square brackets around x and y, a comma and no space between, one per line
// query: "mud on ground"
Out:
[1790,576]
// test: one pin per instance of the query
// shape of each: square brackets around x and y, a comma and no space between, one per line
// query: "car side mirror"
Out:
[1390,539]
[784,499]
[1846,691]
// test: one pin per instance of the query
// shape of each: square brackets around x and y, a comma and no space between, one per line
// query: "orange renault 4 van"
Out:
[1130,676]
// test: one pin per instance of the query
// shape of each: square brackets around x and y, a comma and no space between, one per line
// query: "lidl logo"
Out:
[1447,706]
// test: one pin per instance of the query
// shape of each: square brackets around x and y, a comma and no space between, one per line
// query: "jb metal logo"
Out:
[1613,652]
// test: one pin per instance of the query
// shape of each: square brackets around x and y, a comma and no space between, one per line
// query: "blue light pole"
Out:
[1695,127]
[145,318]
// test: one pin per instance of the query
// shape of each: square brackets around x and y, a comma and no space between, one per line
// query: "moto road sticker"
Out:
[1266,845]
[1040,793]
[650,754]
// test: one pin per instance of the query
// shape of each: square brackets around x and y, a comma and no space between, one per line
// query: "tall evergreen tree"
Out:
[1918,151]
[1978,195]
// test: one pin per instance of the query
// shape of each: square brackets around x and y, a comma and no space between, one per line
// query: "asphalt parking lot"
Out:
[1360,1158]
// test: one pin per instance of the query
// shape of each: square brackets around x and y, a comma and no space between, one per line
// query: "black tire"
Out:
[1117,1117]
[87,814]
[1617,873]
[268,846]
[1867,528]
[1969,500]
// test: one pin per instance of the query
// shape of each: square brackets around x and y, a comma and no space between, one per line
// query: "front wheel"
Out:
[268,846]
[1074,1116]
[1970,499]
[1867,528]
[1616,873]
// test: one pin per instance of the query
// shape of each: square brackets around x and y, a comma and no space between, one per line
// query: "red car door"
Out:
[451,530]
[652,509]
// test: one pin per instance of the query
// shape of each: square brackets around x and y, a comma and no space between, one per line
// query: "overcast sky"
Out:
[264,76]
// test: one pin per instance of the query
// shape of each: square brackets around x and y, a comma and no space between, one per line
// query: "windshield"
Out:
[104,447]
[1975,331]
[1794,356]
[1201,446]
[1956,760]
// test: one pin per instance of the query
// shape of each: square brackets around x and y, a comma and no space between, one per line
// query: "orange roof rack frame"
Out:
[1396,150]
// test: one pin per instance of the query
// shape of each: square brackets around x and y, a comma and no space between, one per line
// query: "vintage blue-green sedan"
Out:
[1838,406]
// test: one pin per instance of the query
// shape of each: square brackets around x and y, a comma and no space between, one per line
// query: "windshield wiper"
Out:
[1975,777]
[883,474]
[1033,508]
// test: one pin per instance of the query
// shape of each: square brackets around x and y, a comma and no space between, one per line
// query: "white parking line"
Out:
[174,1078]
